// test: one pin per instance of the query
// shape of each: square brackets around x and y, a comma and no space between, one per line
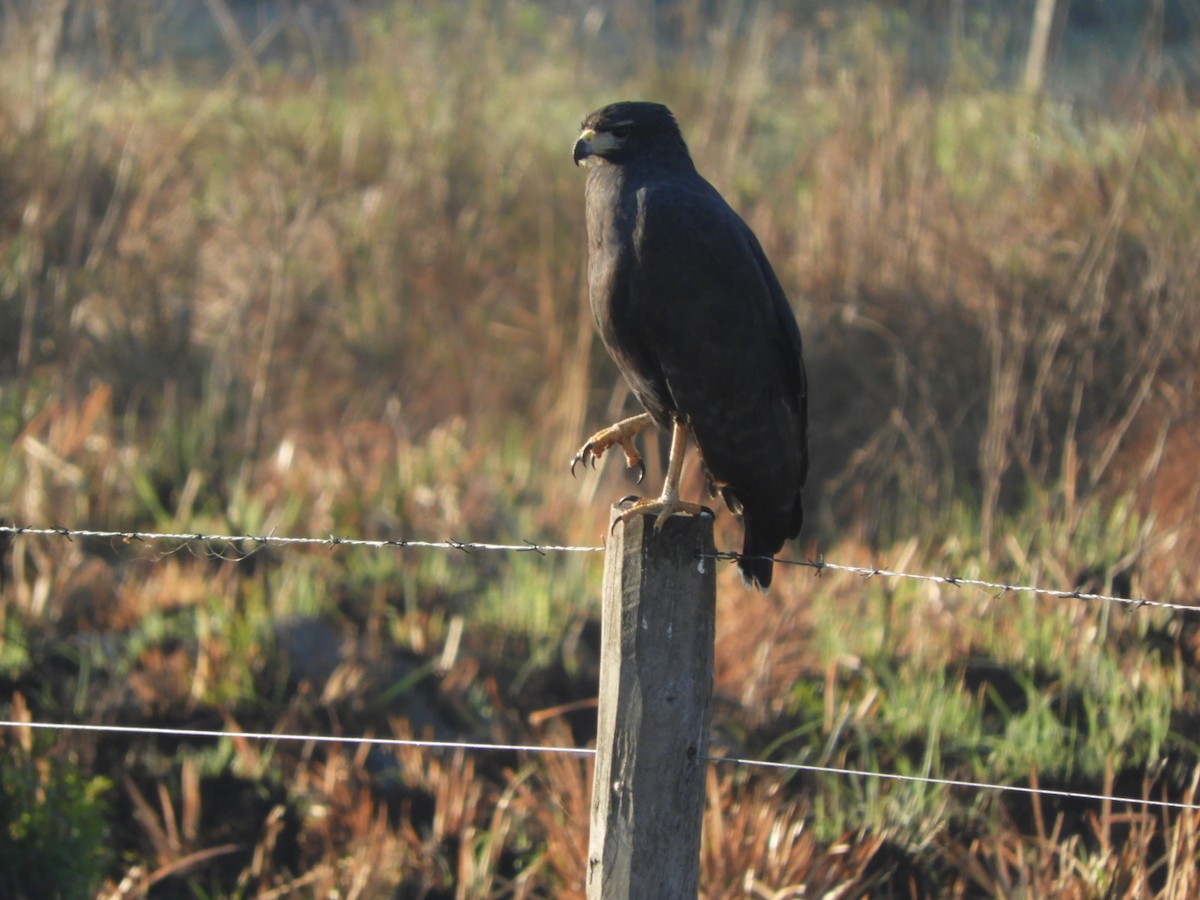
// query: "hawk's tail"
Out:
[762,541]
[756,573]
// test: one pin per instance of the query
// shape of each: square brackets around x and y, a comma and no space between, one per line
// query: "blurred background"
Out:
[314,268]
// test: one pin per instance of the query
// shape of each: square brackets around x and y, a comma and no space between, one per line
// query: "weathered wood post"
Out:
[656,664]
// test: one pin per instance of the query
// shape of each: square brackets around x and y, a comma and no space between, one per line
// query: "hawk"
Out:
[692,314]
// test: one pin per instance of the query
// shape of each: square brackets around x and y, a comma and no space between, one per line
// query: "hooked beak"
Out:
[583,146]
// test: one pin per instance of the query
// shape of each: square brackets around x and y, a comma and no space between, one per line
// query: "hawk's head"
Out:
[622,132]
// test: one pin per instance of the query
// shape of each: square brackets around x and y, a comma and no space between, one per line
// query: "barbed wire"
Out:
[266,540]
[590,751]
[959,581]
[237,544]
[245,545]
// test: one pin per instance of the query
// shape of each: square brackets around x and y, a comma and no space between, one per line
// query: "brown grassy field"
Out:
[288,294]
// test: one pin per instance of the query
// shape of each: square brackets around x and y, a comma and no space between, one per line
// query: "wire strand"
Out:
[589,751]
[954,782]
[308,738]
[820,566]
[266,540]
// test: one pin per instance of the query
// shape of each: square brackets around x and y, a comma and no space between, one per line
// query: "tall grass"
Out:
[306,296]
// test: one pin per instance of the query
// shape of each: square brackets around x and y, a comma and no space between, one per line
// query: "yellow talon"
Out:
[621,433]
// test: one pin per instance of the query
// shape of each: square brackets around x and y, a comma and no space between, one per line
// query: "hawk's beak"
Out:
[583,146]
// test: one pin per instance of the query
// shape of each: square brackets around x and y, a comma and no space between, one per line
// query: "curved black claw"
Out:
[641,467]
[585,452]
[707,512]
[626,503]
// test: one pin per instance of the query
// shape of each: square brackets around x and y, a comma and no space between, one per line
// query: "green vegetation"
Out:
[309,297]
[52,820]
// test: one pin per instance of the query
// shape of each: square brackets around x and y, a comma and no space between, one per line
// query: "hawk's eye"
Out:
[620,132]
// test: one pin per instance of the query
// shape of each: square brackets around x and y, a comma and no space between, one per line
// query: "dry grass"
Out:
[311,298]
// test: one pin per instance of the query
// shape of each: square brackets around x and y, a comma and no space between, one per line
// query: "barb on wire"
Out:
[868,572]
[585,751]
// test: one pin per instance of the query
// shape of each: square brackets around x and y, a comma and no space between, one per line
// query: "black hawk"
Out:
[693,315]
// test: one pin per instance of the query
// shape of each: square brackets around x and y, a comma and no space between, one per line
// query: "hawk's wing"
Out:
[712,335]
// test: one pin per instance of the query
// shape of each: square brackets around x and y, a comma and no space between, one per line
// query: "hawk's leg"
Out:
[668,503]
[622,433]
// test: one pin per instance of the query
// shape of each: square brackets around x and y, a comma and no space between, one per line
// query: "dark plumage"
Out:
[693,315]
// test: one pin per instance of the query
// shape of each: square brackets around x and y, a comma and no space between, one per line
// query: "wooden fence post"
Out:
[656,664]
